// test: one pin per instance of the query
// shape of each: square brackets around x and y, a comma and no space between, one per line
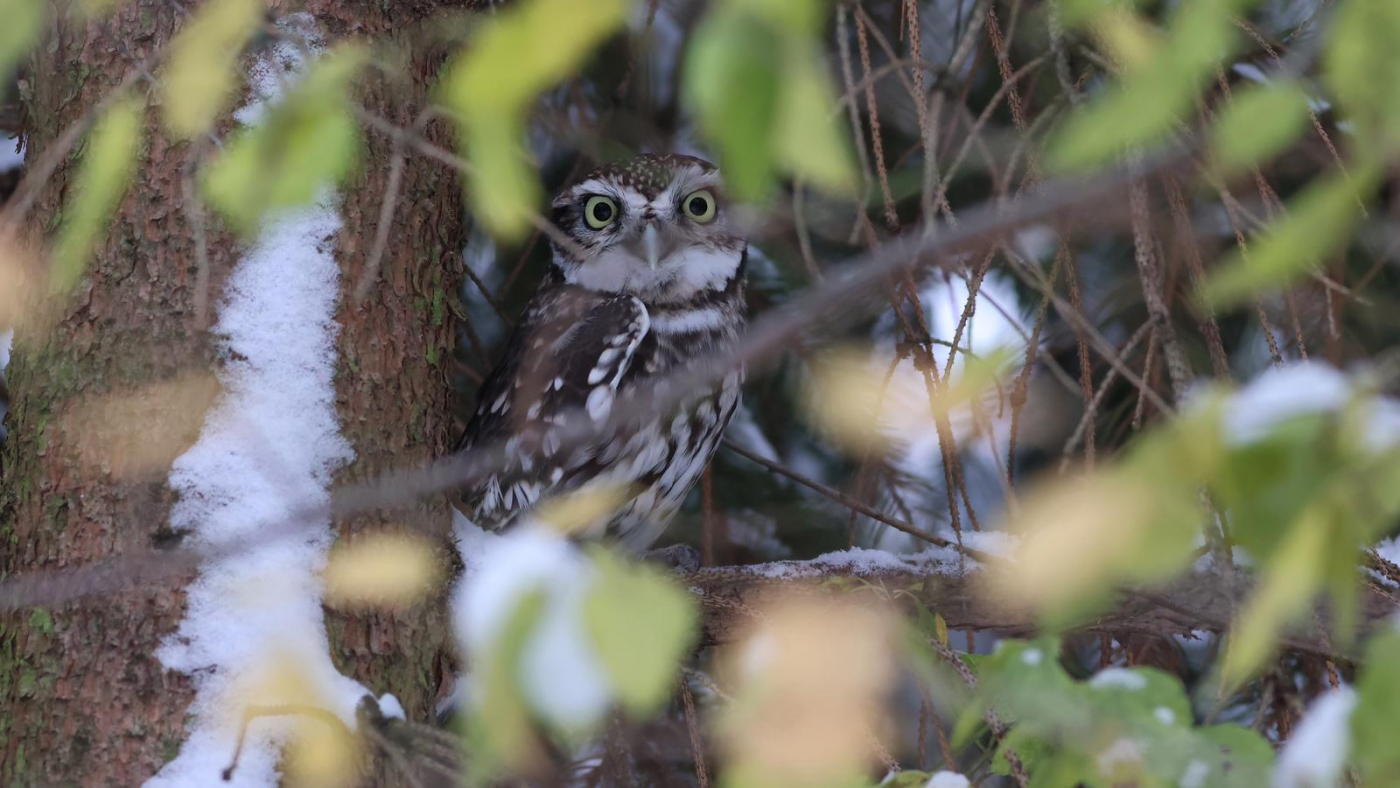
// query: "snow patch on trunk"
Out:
[267,450]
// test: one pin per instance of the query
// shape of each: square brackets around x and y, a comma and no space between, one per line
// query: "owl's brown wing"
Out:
[567,356]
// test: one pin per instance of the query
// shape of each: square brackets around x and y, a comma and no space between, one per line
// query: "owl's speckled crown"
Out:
[648,173]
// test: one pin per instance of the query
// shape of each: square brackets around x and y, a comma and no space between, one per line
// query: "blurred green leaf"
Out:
[1122,726]
[201,75]
[500,728]
[1361,67]
[1260,122]
[756,79]
[1318,221]
[1078,12]
[20,31]
[515,56]
[1154,94]
[110,157]
[1373,721]
[642,625]
[307,141]
[732,79]
[1291,577]
[810,143]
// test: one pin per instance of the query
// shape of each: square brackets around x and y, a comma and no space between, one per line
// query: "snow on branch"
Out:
[730,596]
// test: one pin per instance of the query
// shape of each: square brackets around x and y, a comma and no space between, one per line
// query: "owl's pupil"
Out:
[697,205]
[602,212]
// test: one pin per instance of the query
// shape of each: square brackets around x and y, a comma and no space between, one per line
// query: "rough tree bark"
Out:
[82,698]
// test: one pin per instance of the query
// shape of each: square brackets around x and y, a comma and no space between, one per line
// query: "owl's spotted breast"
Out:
[657,289]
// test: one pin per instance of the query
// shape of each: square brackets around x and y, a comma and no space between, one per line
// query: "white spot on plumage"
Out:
[600,401]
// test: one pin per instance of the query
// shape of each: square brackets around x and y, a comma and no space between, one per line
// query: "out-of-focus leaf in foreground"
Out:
[1317,221]
[1133,522]
[133,434]
[306,142]
[642,624]
[1373,722]
[110,156]
[201,74]
[1081,538]
[585,509]
[23,20]
[810,681]
[866,402]
[321,750]
[1121,727]
[380,569]
[755,76]
[1361,68]
[490,87]
[1154,92]
[1257,124]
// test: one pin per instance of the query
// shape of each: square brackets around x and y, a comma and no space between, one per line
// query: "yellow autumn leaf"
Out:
[199,81]
[1125,37]
[585,509]
[321,754]
[848,397]
[321,751]
[139,432]
[380,569]
[810,681]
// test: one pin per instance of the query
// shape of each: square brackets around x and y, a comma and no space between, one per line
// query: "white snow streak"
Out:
[947,779]
[266,450]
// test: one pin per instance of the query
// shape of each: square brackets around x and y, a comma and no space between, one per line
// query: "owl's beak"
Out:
[651,245]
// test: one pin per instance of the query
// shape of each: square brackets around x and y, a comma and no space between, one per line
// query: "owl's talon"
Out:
[679,558]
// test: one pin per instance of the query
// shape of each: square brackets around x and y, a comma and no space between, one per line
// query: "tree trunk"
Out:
[83,700]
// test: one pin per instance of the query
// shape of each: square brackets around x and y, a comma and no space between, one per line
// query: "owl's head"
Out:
[654,226]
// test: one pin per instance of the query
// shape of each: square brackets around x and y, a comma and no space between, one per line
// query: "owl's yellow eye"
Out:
[700,206]
[599,211]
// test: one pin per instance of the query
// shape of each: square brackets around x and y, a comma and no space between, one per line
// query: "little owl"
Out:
[652,282]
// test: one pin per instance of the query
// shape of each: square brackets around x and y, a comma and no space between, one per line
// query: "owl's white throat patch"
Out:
[679,277]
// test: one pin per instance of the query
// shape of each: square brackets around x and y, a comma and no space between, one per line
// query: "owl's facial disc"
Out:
[653,228]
